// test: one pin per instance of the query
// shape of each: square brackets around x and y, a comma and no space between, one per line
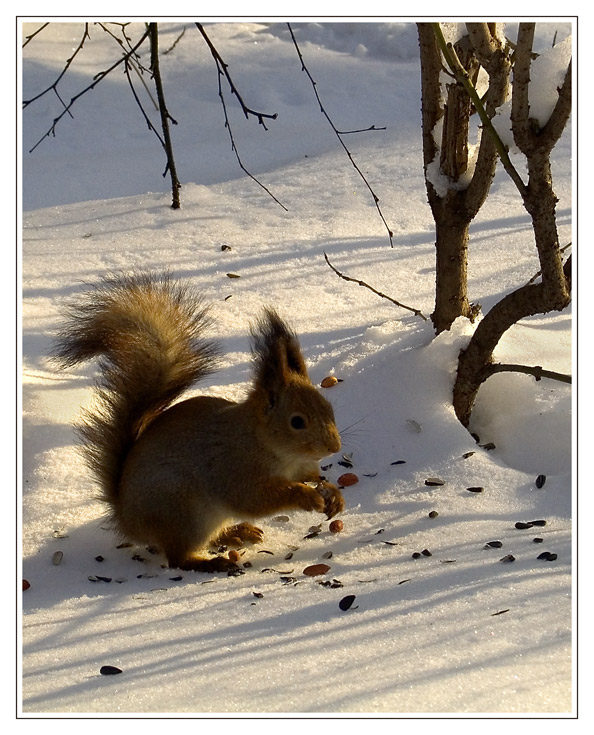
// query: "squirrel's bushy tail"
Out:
[147,333]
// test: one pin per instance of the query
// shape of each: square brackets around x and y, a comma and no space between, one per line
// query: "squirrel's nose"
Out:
[334,443]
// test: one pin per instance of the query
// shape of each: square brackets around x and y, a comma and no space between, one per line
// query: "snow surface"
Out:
[456,632]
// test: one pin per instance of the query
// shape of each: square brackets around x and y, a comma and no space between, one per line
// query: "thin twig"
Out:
[96,80]
[339,135]
[32,35]
[222,71]
[54,86]
[416,312]
[222,67]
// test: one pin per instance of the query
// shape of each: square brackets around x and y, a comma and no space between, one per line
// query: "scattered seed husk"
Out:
[281,519]
[538,523]
[547,556]
[540,481]
[499,612]
[346,602]
[508,558]
[288,556]
[521,525]
[398,461]
[488,446]
[537,540]
[265,551]
[99,558]
[466,455]
[313,534]
[433,514]
[124,545]
[259,595]
[414,425]
[403,581]
[334,584]
[476,489]
[434,482]
[447,561]
[426,552]
[288,580]
[493,545]
[416,555]
[390,543]
[57,557]
[347,460]
[59,533]
[233,275]
[315,570]
[173,579]
[109,670]
[327,555]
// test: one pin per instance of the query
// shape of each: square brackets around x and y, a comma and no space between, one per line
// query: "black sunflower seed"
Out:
[346,602]
[109,670]
[540,481]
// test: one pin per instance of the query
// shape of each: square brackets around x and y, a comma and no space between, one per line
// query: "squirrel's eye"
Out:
[297,421]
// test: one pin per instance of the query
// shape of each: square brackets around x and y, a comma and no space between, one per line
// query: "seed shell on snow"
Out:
[57,557]
[315,570]
[346,602]
[540,481]
[109,670]
[434,482]
[349,478]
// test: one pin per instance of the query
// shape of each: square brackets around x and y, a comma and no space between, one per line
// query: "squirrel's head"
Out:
[295,418]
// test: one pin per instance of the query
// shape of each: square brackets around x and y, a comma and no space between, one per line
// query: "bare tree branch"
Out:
[340,134]
[96,80]
[222,70]
[416,312]
[537,371]
[165,116]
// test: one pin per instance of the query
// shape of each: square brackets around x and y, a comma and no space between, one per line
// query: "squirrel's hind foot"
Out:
[238,535]
[195,564]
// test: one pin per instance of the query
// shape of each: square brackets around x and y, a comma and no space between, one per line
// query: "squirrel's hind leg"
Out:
[237,535]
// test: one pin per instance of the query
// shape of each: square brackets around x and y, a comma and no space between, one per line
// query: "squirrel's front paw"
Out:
[309,498]
[333,500]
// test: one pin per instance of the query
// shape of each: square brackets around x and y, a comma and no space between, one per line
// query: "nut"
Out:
[329,381]
[349,478]
[336,526]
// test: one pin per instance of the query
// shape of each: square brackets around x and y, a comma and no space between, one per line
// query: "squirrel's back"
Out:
[147,332]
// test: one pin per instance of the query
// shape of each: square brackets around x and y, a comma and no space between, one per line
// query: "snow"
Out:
[458,632]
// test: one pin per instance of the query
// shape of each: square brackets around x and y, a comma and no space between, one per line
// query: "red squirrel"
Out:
[186,475]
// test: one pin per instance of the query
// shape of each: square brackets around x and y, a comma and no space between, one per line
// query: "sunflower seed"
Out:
[346,602]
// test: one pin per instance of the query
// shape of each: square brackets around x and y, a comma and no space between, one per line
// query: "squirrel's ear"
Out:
[276,351]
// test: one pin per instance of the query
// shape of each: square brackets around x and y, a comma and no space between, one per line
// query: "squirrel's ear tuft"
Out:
[276,351]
